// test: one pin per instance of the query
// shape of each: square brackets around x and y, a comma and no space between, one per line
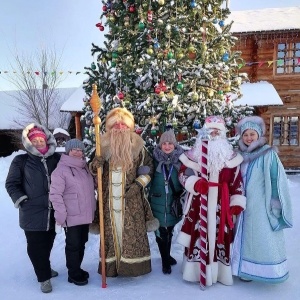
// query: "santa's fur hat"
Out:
[215,122]
[119,115]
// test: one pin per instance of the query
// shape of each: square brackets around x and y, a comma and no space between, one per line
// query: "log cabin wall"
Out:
[260,52]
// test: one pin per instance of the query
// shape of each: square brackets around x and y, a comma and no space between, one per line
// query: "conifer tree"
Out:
[168,62]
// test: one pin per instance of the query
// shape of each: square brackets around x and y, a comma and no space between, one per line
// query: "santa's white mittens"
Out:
[190,183]
[238,200]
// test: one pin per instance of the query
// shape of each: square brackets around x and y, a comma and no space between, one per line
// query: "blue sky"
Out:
[26,26]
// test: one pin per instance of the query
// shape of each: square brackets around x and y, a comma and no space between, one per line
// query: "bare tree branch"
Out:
[36,79]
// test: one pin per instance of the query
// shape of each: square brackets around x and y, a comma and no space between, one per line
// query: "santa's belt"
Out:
[225,214]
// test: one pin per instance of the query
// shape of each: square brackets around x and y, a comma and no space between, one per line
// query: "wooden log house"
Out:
[269,40]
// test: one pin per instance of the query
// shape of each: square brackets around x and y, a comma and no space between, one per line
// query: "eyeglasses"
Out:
[77,150]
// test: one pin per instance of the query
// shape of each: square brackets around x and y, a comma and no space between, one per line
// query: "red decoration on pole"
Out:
[203,218]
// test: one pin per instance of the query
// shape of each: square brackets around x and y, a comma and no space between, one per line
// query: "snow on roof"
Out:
[267,19]
[75,101]
[11,118]
[60,130]
[260,93]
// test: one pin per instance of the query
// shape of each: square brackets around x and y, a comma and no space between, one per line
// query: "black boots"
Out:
[164,246]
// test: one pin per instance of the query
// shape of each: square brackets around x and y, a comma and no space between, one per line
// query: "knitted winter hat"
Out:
[168,136]
[119,115]
[74,144]
[215,122]
[254,122]
[36,132]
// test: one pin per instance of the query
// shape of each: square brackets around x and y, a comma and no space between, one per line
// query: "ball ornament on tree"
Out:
[131,9]
[120,95]
[93,66]
[197,124]
[150,51]
[153,130]
[141,25]
[193,4]
[179,86]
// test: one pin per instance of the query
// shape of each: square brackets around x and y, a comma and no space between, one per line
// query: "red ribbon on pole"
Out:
[203,218]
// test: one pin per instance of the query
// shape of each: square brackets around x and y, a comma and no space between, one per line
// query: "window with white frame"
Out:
[286,131]
[288,58]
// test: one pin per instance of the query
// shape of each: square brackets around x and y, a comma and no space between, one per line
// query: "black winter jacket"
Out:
[28,182]
[27,176]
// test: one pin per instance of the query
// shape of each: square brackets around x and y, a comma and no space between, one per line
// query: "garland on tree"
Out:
[170,63]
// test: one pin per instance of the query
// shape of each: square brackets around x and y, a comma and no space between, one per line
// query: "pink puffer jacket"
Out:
[72,192]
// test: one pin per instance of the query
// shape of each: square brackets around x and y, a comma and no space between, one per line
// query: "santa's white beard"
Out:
[219,151]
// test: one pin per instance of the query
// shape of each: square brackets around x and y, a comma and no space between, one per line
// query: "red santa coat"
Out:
[218,254]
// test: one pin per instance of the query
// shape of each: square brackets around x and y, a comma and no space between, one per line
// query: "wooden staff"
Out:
[203,218]
[96,106]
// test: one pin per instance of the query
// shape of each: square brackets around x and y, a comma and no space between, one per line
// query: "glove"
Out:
[143,180]
[96,163]
[143,170]
[236,210]
[201,186]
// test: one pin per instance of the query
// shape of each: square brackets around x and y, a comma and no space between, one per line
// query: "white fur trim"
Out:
[189,184]
[189,163]
[239,200]
[235,161]
[183,239]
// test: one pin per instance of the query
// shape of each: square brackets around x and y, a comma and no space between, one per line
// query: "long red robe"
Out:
[218,255]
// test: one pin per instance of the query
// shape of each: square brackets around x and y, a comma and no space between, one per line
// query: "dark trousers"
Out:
[39,246]
[164,241]
[76,237]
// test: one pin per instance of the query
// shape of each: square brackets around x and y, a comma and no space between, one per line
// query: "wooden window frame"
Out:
[289,65]
[285,130]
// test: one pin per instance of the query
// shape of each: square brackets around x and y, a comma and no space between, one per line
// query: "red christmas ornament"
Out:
[104,8]
[121,95]
[139,130]
[131,8]
[162,85]
[100,26]
[157,89]
[150,16]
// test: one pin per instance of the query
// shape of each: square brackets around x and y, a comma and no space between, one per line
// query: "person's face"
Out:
[249,136]
[38,142]
[76,152]
[167,147]
[120,125]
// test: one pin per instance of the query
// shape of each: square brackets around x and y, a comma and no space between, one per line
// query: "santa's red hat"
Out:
[215,122]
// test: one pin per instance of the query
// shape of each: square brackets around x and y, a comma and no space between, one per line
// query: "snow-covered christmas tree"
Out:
[169,62]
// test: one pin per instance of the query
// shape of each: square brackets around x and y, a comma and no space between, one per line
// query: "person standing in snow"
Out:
[127,169]
[28,185]
[207,230]
[259,249]
[72,195]
[164,187]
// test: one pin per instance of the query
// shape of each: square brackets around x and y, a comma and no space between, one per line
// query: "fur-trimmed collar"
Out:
[250,156]
[235,161]
[253,146]
[51,142]
[137,145]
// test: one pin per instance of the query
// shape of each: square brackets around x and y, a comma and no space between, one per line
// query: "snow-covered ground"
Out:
[18,281]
